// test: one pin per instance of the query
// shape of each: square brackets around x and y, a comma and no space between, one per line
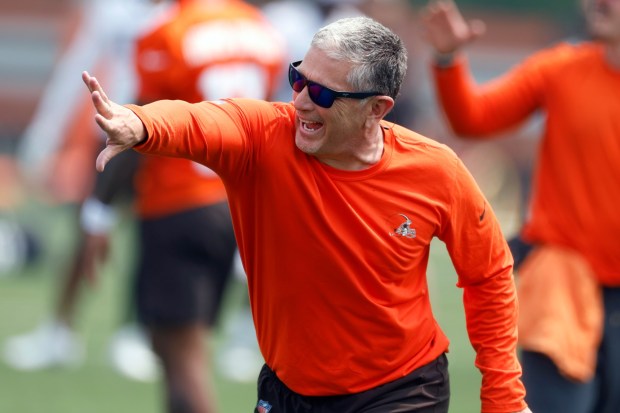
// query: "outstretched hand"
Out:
[123,127]
[445,29]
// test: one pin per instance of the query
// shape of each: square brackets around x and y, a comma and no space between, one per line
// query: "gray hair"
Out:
[379,56]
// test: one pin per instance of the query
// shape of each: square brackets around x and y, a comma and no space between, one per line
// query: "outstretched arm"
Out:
[123,128]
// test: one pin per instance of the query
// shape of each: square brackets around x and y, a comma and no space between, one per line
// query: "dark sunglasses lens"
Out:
[297,81]
[321,95]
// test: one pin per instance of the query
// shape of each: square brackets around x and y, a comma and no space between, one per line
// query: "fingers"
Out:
[102,104]
[445,28]
[104,121]
[94,86]
[90,82]
[436,7]
[105,155]
[438,16]
[104,114]
[86,79]
[477,28]
[119,123]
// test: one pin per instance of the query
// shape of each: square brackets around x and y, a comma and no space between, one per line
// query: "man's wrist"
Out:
[444,59]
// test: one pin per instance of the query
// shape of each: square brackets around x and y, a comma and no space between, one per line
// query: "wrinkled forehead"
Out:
[322,67]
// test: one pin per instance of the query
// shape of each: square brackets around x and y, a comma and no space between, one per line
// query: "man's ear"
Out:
[381,106]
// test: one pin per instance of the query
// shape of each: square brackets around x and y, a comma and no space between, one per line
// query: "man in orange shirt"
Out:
[569,284]
[334,212]
[198,50]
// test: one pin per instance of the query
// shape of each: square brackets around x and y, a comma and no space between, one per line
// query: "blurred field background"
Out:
[32,36]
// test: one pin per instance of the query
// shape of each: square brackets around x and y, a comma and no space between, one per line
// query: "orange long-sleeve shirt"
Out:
[576,188]
[336,260]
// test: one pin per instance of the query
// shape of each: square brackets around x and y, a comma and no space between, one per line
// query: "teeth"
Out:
[306,126]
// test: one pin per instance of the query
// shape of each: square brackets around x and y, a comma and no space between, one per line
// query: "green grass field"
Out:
[26,299]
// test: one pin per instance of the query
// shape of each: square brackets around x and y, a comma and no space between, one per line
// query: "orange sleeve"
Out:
[181,128]
[212,133]
[478,111]
[484,266]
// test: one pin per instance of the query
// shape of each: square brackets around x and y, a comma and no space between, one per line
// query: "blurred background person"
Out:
[199,50]
[18,245]
[569,282]
[55,155]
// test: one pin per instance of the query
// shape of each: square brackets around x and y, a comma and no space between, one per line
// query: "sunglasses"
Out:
[319,94]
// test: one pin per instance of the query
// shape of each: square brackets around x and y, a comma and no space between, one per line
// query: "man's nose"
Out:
[301,100]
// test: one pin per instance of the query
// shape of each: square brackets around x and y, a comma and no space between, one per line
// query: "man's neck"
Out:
[360,160]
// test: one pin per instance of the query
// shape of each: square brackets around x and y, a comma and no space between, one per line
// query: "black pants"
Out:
[425,390]
[548,391]
[185,266]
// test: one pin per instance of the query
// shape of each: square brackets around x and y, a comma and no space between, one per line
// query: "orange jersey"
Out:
[336,260]
[577,177]
[201,50]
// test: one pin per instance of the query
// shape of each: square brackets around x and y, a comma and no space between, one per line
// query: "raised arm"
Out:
[476,110]
[123,128]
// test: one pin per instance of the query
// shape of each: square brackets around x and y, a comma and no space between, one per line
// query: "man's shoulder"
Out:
[260,113]
[564,54]
[417,141]
[285,108]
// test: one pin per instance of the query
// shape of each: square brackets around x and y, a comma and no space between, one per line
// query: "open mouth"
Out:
[310,126]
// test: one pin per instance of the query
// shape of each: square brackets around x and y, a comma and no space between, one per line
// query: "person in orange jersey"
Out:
[54,153]
[334,212]
[199,49]
[569,284]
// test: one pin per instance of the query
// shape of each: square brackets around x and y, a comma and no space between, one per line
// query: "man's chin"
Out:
[305,145]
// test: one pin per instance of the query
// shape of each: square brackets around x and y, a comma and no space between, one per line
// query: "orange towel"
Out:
[561,310]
